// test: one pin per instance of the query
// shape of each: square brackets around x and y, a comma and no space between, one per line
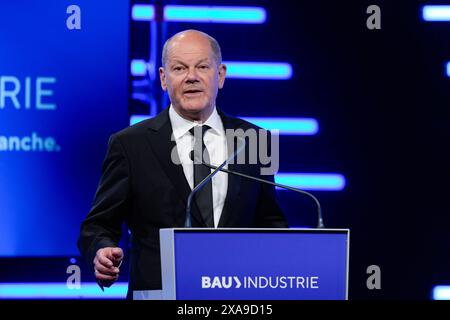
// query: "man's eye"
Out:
[204,67]
[178,68]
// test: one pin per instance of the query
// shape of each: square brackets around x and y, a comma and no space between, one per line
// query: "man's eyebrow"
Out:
[173,62]
[176,61]
[203,60]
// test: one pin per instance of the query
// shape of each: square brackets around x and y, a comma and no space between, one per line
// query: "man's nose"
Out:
[192,75]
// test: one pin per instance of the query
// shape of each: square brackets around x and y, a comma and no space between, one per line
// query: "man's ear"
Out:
[222,74]
[162,77]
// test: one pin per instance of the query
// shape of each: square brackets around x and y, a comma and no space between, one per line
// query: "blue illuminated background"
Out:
[363,118]
[83,96]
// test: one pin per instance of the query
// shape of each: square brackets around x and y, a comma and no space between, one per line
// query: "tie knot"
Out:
[198,129]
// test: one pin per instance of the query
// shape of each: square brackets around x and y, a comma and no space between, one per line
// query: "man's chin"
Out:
[196,108]
[196,112]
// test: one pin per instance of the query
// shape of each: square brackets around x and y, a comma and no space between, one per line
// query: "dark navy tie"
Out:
[203,197]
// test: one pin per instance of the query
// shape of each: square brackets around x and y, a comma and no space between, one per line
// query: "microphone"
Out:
[320,223]
[188,222]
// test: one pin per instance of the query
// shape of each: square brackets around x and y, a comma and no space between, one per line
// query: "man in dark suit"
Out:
[148,174]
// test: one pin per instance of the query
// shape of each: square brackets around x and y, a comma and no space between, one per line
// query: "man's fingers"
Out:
[116,256]
[107,262]
[106,271]
[104,277]
[117,253]
[102,259]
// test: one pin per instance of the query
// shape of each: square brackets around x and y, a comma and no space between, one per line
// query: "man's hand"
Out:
[107,262]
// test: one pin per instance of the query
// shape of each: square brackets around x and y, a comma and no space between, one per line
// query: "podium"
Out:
[252,264]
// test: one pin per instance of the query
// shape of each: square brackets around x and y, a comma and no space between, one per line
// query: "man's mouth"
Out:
[193,92]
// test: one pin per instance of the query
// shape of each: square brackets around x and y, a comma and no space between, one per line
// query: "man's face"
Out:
[191,76]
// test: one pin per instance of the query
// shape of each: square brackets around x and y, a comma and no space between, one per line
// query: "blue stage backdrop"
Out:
[63,91]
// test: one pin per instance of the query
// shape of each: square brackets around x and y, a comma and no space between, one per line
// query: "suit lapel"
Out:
[234,182]
[164,147]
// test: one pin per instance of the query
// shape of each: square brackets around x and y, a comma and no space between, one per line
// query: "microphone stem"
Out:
[320,223]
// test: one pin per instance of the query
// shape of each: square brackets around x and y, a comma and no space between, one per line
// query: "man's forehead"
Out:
[189,46]
[192,53]
[188,58]
[190,37]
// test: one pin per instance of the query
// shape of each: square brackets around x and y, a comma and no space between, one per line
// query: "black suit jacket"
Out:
[141,186]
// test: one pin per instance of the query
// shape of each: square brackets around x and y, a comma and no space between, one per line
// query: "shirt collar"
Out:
[181,126]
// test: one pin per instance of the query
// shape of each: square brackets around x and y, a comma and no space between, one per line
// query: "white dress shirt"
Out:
[216,144]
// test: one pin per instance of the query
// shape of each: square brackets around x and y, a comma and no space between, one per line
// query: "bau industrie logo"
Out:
[260,282]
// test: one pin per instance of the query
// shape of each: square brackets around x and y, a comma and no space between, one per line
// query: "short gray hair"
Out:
[213,42]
